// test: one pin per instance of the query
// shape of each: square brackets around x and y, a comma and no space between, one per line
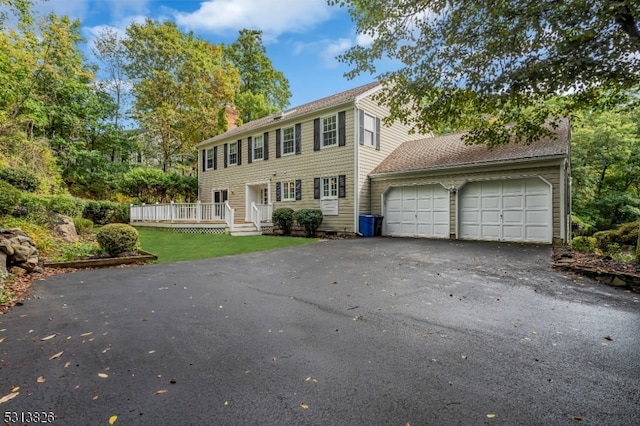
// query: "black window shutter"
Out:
[265,146]
[378,134]
[204,160]
[226,154]
[361,126]
[316,188]
[240,152]
[278,142]
[215,157]
[278,191]
[298,189]
[316,134]
[342,133]
[249,146]
[342,186]
[298,136]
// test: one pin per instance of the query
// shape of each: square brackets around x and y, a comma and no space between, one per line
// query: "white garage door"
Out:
[417,211]
[508,210]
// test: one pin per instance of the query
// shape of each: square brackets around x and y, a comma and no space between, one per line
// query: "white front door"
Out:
[506,210]
[417,211]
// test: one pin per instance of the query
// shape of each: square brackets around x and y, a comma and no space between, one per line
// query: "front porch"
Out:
[202,218]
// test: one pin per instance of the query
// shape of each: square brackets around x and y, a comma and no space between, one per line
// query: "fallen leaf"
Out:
[304,406]
[67,364]
[172,380]
[104,376]
[226,403]
[608,338]
[491,416]
[577,418]
[2,339]
[9,397]
[86,334]
[334,282]
[161,391]
[56,355]
[105,350]
[41,379]
[95,398]
[49,337]
[112,419]
[151,352]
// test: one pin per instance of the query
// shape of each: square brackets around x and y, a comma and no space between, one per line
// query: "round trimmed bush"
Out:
[283,217]
[9,198]
[83,226]
[311,219]
[117,238]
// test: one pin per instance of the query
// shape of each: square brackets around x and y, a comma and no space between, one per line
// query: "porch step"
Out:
[244,229]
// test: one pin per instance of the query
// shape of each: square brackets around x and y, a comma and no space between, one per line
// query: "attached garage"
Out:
[506,210]
[417,211]
[440,187]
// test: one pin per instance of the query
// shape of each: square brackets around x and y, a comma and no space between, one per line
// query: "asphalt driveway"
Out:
[349,332]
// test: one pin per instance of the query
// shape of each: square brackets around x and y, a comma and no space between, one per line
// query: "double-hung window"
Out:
[288,190]
[233,153]
[369,130]
[258,148]
[329,131]
[209,158]
[288,140]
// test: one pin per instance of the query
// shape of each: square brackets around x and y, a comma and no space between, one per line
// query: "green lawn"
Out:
[173,247]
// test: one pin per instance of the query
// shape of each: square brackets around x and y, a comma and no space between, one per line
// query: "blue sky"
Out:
[302,37]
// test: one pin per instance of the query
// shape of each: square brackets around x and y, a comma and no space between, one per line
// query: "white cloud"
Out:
[272,17]
[333,49]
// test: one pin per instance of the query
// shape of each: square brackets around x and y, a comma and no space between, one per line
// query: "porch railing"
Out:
[261,213]
[181,212]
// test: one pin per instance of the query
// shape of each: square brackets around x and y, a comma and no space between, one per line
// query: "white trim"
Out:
[282,153]
[253,147]
[356,168]
[206,158]
[237,144]
[293,198]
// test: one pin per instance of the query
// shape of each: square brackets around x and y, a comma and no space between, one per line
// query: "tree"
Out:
[263,90]
[181,85]
[606,168]
[491,66]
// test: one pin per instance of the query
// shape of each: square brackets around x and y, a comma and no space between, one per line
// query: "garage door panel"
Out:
[514,210]
[421,210]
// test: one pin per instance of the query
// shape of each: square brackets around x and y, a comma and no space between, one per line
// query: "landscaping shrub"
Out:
[117,238]
[83,226]
[311,219]
[587,244]
[33,206]
[66,205]
[9,198]
[638,247]
[283,217]
[22,179]
[103,212]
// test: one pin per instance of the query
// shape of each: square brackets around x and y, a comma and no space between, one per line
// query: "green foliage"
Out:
[33,206]
[22,179]
[117,238]
[580,227]
[9,198]
[587,244]
[262,90]
[39,233]
[76,251]
[283,217]
[66,205]
[491,66]
[151,185]
[103,212]
[311,219]
[83,226]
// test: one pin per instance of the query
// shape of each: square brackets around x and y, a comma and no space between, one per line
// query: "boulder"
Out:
[64,228]
[18,253]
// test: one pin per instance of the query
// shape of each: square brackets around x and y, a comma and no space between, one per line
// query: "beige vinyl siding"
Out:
[310,164]
[457,178]
[368,157]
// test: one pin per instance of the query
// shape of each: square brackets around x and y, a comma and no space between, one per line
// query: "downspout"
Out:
[356,169]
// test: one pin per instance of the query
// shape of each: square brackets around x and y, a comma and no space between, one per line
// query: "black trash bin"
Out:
[378,226]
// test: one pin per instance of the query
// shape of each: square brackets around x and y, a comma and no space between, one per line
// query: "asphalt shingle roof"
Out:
[320,104]
[450,151]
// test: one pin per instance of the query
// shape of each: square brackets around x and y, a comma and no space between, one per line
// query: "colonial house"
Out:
[336,154]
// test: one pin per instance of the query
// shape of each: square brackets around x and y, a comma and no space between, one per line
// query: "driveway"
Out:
[348,332]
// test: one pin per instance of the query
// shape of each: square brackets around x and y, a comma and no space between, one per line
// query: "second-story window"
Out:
[233,153]
[209,158]
[329,131]
[258,148]
[288,140]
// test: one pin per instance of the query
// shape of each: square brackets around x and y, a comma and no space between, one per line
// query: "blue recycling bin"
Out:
[367,225]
